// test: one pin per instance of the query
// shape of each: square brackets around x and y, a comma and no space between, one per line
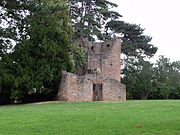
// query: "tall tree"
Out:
[42,50]
[175,80]
[95,19]
[11,25]
[167,78]
[134,42]
[12,22]
[139,77]
[90,16]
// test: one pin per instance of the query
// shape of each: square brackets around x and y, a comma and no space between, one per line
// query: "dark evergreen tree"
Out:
[134,42]
[95,19]
[89,17]
[42,47]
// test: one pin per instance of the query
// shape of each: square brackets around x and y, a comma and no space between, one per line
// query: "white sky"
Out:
[161,20]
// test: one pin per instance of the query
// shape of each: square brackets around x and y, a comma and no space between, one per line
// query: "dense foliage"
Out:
[42,47]
[89,17]
[155,81]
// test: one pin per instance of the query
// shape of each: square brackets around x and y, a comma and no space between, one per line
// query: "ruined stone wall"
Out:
[80,88]
[113,90]
[111,61]
[103,68]
[94,56]
[63,92]
[75,88]
[106,57]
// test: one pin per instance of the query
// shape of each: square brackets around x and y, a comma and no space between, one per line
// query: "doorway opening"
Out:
[97,92]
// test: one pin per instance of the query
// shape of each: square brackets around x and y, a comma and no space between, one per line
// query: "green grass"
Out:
[92,118]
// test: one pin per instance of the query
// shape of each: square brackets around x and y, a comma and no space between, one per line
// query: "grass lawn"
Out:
[158,117]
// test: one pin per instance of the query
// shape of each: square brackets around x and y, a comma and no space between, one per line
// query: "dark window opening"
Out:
[92,48]
[108,45]
[90,71]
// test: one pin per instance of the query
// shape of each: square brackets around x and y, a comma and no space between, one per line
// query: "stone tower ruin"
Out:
[101,78]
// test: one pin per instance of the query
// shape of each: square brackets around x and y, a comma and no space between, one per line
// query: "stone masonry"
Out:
[101,80]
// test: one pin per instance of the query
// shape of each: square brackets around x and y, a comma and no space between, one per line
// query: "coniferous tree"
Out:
[89,17]
[95,19]
[42,47]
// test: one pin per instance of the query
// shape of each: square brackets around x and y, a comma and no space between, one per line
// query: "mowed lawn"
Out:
[158,117]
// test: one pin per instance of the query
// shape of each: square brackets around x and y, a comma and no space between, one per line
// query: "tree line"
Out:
[36,44]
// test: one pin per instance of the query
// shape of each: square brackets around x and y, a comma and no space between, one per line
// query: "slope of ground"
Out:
[158,117]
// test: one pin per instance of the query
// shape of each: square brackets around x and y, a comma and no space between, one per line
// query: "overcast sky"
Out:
[161,21]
